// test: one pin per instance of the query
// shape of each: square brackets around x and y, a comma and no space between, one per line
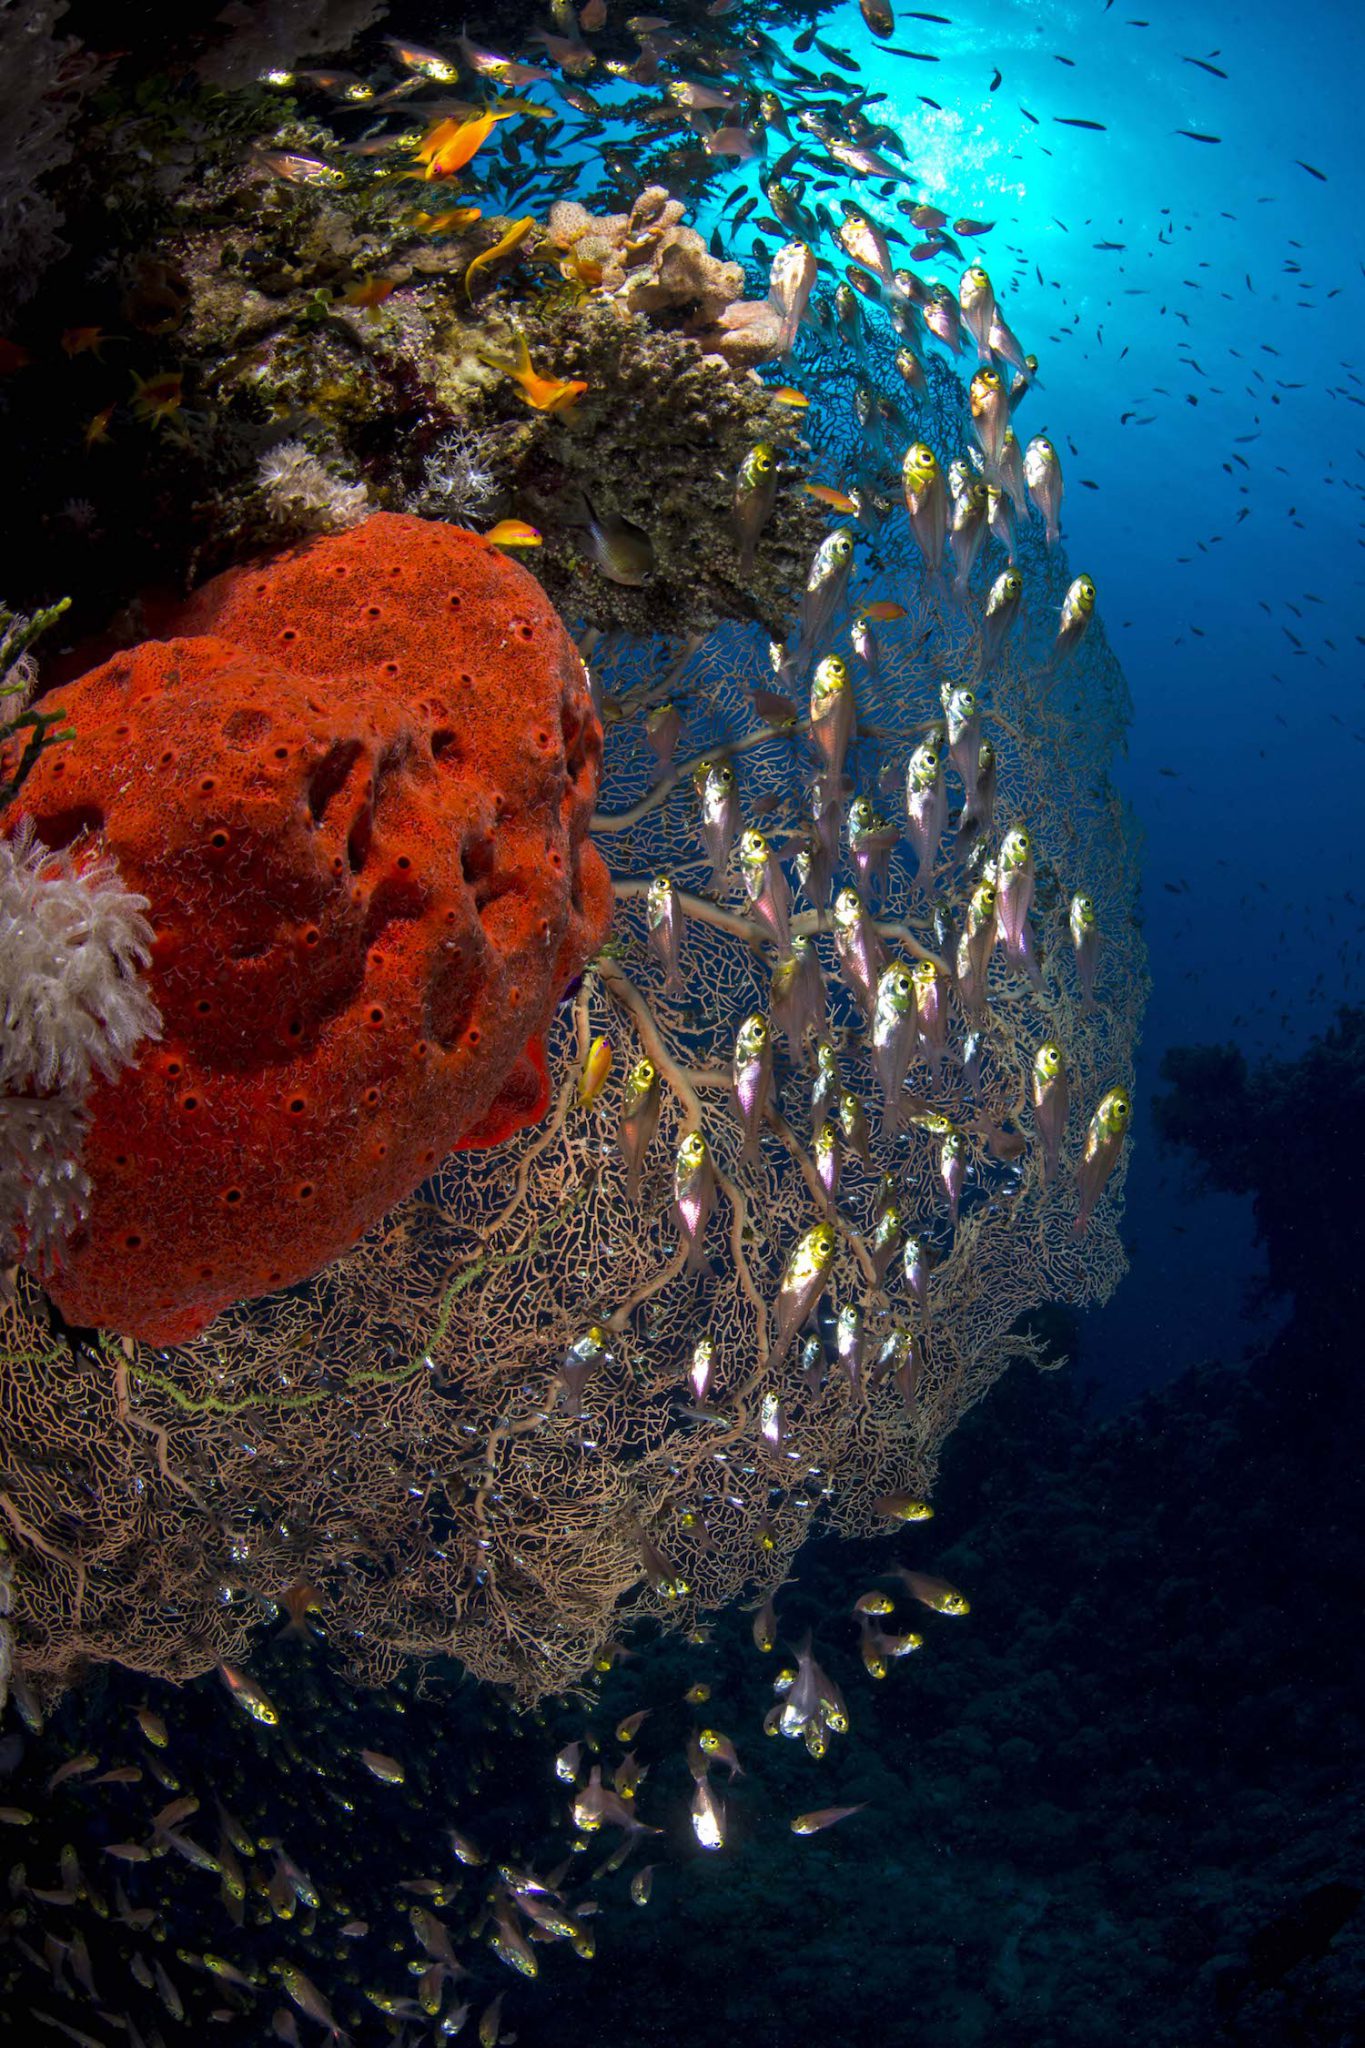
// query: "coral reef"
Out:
[403,1417]
[353,788]
[659,439]
[389,390]
[473,1430]
[646,261]
[264,317]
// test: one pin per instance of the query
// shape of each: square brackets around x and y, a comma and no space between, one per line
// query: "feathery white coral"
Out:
[301,492]
[73,943]
[457,483]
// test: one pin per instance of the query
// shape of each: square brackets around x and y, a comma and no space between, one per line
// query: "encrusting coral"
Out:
[353,788]
[646,261]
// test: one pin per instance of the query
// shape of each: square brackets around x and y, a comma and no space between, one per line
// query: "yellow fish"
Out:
[79,341]
[543,394]
[97,427]
[503,247]
[902,1507]
[596,1067]
[455,217]
[515,533]
[785,395]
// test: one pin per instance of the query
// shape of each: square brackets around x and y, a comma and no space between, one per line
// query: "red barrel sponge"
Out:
[355,787]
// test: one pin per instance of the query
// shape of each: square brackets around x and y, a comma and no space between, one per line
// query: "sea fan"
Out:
[73,942]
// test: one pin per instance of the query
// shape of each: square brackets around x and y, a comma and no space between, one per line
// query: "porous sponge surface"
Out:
[355,786]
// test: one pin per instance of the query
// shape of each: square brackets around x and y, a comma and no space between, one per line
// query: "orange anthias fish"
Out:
[450,145]
[299,1601]
[454,217]
[158,399]
[884,610]
[12,357]
[80,341]
[97,427]
[838,501]
[543,394]
[372,292]
[513,533]
[502,248]
[785,395]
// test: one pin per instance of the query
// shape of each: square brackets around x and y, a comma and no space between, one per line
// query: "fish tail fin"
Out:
[516,365]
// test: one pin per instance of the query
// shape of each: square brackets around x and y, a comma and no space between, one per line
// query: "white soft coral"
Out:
[73,944]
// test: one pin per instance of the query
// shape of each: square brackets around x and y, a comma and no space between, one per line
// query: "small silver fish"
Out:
[753,1080]
[926,806]
[715,781]
[1085,940]
[694,1197]
[1014,886]
[833,715]
[622,551]
[663,915]
[803,1282]
[765,885]
[1002,609]
[1050,1104]
[857,948]
[797,998]
[1043,475]
[893,1036]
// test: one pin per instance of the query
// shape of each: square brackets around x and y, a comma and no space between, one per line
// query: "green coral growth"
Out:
[17,678]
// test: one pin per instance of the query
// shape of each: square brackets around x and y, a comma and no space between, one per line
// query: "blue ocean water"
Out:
[1205,367]
[1123,1793]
